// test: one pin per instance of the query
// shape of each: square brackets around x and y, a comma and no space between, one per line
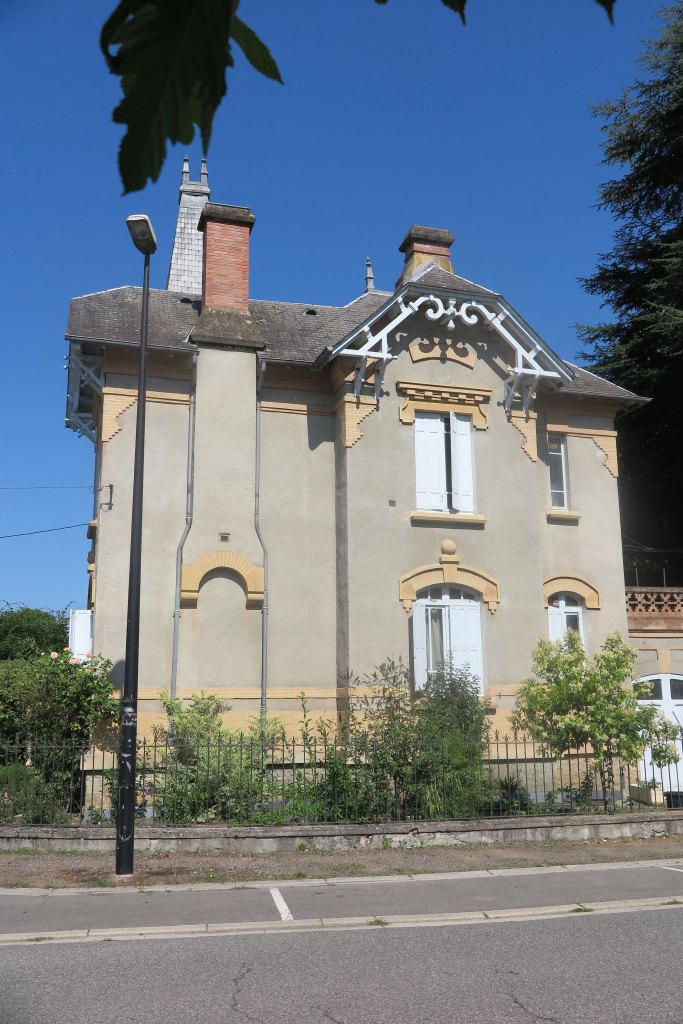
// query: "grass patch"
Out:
[580,909]
[673,903]
[378,922]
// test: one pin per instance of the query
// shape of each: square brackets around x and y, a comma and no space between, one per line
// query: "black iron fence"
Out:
[245,780]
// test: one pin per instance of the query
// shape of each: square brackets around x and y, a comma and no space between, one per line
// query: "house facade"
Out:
[416,475]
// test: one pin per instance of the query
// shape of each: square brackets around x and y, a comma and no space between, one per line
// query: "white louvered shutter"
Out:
[465,639]
[556,629]
[462,470]
[419,645]
[430,461]
[80,633]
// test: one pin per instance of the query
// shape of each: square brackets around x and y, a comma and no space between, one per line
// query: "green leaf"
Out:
[256,52]
[172,58]
[608,5]
[453,5]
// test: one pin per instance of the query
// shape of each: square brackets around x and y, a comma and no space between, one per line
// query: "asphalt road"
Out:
[597,944]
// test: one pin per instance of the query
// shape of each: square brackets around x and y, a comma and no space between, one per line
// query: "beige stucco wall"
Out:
[336,519]
[163,521]
[517,545]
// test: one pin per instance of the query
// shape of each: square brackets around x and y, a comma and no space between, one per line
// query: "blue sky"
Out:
[390,115]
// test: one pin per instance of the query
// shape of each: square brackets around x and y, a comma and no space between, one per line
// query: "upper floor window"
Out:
[557,453]
[446,628]
[564,612]
[443,462]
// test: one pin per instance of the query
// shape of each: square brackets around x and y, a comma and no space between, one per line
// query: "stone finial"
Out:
[204,173]
[369,276]
[449,555]
[185,176]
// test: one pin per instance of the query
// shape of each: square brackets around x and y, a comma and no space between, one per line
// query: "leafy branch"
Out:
[172,57]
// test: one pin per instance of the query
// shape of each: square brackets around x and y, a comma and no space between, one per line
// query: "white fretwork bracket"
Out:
[533,360]
[85,382]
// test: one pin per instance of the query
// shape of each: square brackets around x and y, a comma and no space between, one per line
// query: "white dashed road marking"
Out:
[283,909]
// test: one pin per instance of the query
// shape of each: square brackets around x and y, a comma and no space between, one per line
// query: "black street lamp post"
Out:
[145,241]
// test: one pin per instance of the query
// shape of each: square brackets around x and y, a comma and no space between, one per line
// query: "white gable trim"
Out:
[533,359]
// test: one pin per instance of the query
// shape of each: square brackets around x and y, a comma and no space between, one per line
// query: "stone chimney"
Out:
[185,272]
[422,245]
[226,256]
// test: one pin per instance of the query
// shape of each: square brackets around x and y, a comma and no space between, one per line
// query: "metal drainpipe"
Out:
[189,502]
[257,527]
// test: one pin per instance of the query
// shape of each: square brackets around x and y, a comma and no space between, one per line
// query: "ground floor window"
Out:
[666,694]
[564,612]
[446,627]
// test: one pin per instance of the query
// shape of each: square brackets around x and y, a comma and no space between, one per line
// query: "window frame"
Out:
[553,460]
[458,615]
[562,610]
[444,463]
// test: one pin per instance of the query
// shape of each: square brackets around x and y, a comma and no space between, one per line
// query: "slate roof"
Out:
[589,385]
[294,332]
[114,317]
[435,276]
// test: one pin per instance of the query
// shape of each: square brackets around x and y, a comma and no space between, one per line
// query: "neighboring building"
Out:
[415,474]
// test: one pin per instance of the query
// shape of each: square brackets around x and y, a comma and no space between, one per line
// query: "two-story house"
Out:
[415,474]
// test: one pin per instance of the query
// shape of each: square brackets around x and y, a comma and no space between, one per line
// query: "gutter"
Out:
[257,527]
[189,507]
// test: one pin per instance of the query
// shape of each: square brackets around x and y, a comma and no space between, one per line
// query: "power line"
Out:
[50,487]
[52,529]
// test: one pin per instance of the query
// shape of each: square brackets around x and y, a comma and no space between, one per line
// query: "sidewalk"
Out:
[417,900]
[66,869]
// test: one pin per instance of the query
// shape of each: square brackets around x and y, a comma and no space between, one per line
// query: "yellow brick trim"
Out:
[525,423]
[605,440]
[421,397]
[351,412]
[448,571]
[192,576]
[114,404]
[572,585]
[115,401]
[297,408]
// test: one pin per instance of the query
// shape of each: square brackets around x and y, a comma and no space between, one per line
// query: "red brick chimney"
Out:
[225,277]
[422,245]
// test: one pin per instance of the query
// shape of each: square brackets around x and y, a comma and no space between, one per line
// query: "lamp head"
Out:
[142,233]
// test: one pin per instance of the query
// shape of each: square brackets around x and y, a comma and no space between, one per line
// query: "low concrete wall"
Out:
[405,834]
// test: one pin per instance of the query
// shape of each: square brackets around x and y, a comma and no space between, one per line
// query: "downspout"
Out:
[257,527]
[189,501]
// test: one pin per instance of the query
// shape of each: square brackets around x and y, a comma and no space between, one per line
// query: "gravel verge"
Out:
[60,869]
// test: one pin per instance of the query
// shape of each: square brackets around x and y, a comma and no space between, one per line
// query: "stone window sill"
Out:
[452,518]
[562,515]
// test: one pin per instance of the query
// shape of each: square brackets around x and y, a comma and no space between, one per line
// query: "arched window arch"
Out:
[446,627]
[565,611]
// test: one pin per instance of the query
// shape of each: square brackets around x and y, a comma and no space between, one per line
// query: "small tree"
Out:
[26,632]
[55,699]
[576,700]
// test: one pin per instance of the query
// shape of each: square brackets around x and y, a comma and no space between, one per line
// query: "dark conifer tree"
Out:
[641,282]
